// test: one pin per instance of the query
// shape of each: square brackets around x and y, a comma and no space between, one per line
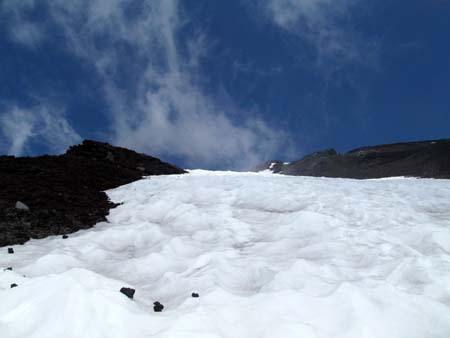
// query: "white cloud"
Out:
[327,25]
[20,127]
[150,83]
[14,14]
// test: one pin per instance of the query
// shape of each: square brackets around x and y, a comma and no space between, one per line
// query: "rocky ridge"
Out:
[426,159]
[56,195]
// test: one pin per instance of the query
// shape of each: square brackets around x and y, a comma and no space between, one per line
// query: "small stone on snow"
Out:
[129,292]
[158,307]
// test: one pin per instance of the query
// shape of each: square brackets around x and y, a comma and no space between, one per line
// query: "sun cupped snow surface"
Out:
[269,255]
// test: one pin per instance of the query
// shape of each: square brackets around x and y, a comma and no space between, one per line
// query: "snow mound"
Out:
[270,256]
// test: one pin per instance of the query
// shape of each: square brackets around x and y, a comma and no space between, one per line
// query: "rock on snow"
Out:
[271,255]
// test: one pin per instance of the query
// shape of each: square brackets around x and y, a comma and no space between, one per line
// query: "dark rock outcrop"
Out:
[428,159]
[65,193]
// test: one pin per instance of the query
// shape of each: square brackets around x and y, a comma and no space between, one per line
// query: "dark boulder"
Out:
[157,307]
[65,193]
[195,295]
[129,292]
[14,285]
[10,250]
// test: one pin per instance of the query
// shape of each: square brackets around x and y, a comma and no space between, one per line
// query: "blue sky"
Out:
[222,84]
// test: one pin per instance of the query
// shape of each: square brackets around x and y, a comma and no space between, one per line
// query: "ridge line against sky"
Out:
[219,85]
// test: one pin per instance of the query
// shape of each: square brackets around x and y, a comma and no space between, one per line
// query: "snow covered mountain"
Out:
[269,256]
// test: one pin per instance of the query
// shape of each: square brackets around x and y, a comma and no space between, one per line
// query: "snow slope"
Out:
[271,256]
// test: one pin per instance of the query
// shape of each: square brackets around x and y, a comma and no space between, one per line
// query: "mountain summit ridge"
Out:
[425,159]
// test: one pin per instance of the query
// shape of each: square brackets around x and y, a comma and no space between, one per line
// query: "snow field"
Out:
[270,255]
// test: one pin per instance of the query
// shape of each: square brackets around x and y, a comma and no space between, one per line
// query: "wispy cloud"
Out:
[151,83]
[326,39]
[21,127]
[327,25]
[15,16]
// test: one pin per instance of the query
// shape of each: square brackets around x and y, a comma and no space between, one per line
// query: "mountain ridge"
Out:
[425,159]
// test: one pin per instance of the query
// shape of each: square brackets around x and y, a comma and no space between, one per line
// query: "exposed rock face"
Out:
[65,193]
[430,159]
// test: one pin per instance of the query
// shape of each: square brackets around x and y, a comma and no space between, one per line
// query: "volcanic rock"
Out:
[129,292]
[157,307]
[65,193]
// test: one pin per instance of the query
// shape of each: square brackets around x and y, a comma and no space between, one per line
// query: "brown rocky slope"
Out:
[63,194]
